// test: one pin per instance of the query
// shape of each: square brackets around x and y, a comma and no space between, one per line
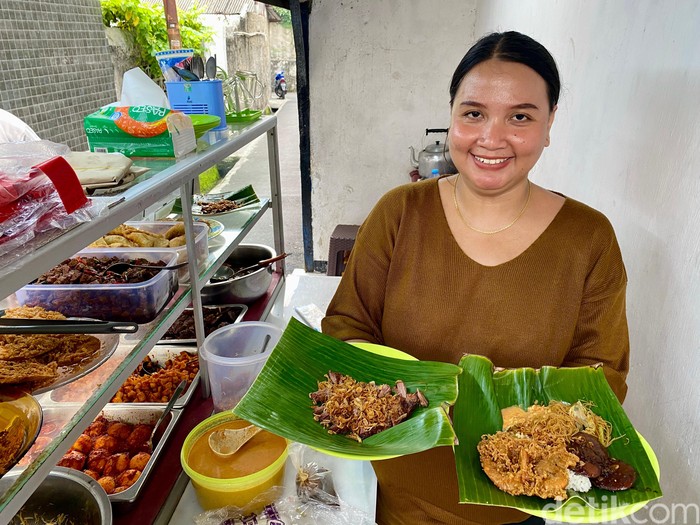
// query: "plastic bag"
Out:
[314,501]
[30,201]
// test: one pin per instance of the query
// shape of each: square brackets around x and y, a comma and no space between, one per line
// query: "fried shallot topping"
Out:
[360,410]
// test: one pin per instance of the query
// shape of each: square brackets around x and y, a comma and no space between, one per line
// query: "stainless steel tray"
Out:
[243,309]
[160,354]
[140,413]
[57,416]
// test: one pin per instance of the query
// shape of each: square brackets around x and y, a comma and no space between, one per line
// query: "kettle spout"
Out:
[414,161]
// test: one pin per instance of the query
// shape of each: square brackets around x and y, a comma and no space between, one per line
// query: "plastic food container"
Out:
[234,356]
[201,244]
[213,493]
[137,302]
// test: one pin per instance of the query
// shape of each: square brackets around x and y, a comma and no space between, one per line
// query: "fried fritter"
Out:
[17,347]
[13,372]
[33,312]
[526,466]
[75,348]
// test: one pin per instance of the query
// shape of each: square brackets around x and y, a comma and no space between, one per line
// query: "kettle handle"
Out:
[436,130]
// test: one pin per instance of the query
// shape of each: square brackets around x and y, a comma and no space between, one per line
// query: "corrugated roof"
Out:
[212,7]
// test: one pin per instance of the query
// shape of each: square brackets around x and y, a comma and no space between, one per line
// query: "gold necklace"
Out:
[454,196]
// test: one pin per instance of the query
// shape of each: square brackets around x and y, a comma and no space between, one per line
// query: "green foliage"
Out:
[146,24]
[285,15]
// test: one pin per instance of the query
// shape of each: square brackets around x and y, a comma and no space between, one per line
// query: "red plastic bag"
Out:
[39,191]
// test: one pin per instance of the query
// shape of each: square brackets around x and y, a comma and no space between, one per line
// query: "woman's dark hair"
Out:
[511,46]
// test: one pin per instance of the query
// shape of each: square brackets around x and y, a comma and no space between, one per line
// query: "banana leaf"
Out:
[482,395]
[279,402]
[244,196]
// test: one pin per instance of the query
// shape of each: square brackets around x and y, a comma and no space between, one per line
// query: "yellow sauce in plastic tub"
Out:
[218,482]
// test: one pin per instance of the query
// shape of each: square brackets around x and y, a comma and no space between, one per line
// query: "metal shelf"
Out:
[173,176]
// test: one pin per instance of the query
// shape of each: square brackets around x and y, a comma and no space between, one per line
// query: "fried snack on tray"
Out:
[157,385]
[18,347]
[36,360]
[115,460]
[124,236]
[33,312]
[360,410]
[15,372]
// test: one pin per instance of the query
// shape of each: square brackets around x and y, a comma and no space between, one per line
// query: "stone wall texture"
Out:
[55,65]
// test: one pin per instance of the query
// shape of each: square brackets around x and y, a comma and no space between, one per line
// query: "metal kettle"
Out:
[434,156]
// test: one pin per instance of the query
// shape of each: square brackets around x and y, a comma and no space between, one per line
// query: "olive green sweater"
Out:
[408,285]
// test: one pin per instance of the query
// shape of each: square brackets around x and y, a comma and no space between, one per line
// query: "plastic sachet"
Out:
[313,502]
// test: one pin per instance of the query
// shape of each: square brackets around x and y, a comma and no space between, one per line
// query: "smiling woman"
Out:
[519,274]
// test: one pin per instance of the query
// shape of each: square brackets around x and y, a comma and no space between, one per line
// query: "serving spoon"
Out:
[121,267]
[225,443]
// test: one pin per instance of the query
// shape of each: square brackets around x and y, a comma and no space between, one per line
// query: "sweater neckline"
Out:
[546,232]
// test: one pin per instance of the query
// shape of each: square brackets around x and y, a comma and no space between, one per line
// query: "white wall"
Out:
[379,76]
[625,141]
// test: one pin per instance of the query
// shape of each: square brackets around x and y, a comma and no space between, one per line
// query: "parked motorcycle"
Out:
[280,85]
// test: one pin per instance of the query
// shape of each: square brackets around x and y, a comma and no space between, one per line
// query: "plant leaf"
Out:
[279,401]
[482,395]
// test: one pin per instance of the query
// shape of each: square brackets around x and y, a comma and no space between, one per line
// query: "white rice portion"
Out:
[578,482]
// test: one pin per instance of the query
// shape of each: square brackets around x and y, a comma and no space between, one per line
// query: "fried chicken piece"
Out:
[97,427]
[116,464]
[94,475]
[97,459]
[128,477]
[139,461]
[73,459]
[83,444]
[138,439]
[108,483]
[120,489]
[119,430]
[107,443]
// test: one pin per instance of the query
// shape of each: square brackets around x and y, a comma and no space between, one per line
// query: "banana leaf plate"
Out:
[245,197]
[279,402]
[482,395]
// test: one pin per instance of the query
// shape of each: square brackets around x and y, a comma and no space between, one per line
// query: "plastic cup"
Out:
[234,356]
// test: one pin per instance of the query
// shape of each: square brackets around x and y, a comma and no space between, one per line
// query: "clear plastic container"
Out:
[137,302]
[234,356]
[201,244]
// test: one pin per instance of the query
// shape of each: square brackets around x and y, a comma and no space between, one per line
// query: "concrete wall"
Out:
[55,65]
[282,55]
[379,76]
[248,49]
[625,140]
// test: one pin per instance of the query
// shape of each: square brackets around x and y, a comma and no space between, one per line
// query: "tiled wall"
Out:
[55,67]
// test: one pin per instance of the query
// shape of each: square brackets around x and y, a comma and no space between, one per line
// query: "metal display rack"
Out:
[178,176]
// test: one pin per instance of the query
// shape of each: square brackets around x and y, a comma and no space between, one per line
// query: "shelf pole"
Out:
[186,198]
